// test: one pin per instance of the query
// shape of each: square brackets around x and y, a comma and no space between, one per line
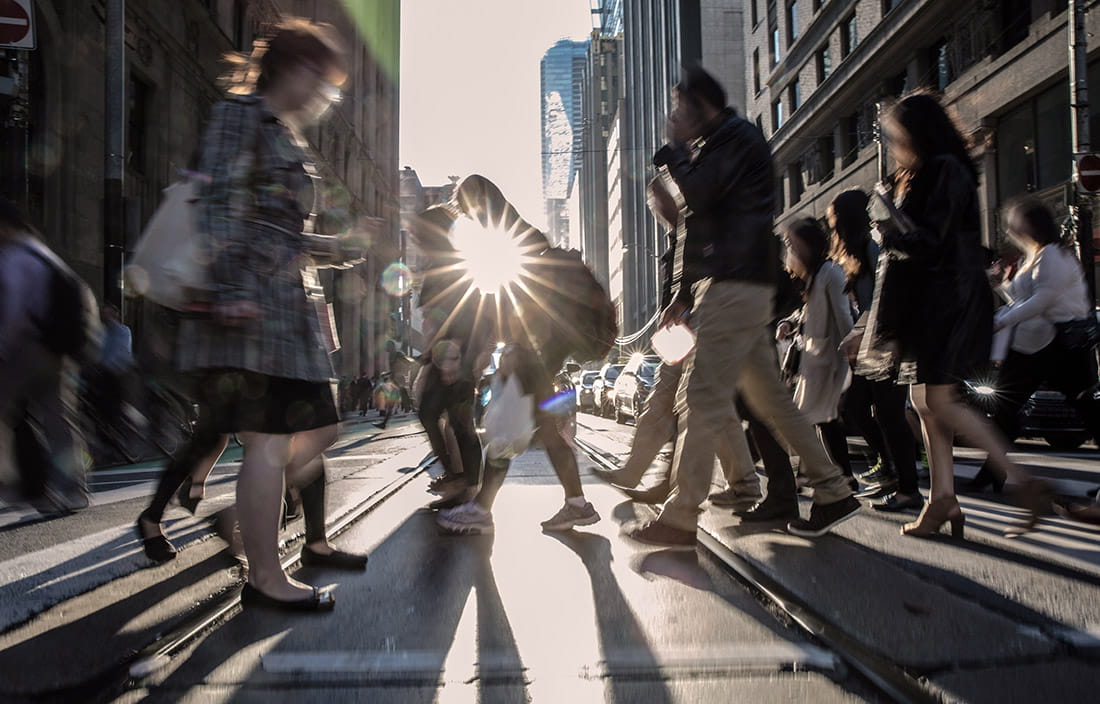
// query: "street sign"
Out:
[17,24]
[1088,172]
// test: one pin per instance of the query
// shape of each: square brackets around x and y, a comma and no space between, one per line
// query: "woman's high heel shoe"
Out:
[1037,497]
[183,496]
[985,477]
[934,515]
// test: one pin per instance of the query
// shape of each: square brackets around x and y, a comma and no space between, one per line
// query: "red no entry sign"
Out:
[16,24]
[1088,172]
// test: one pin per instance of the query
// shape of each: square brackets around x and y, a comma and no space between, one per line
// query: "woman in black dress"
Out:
[933,313]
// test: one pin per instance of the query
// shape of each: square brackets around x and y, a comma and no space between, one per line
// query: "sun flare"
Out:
[491,256]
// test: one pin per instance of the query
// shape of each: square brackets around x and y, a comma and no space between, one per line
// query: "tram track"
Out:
[885,676]
[208,615]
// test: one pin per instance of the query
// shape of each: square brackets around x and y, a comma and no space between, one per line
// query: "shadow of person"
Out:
[627,654]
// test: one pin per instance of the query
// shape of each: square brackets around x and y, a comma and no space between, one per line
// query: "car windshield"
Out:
[648,370]
[588,378]
[612,373]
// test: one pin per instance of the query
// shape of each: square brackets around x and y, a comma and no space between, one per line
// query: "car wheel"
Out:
[1066,441]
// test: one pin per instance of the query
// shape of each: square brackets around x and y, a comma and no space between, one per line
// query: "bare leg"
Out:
[205,466]
[963,420]
[259,497]
[306,466]
[938,443]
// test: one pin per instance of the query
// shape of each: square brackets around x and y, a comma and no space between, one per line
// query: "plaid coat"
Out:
[255,195]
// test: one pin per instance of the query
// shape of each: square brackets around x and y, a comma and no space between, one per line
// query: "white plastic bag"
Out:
[167,265]
[673,343]
[509,420]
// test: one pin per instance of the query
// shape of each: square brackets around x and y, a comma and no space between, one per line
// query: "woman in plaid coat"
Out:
[262,364]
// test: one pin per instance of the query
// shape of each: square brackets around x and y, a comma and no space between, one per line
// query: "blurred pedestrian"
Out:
[265,372]
[726,283]
[1047,293]
[823,322]
[932,320]
[48,327]
[876,408]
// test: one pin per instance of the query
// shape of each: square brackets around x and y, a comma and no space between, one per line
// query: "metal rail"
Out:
[886,676]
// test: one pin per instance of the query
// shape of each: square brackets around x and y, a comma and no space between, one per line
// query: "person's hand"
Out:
[236,313]
[783,330]
[675,314]
[851,343]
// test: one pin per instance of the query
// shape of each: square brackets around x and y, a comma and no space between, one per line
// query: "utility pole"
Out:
[115,142]
[1079,105]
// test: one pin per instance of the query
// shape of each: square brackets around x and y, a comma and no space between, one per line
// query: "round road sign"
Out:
[1088,172]
[14,22]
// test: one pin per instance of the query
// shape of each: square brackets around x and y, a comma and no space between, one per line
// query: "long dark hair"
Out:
[852,230]
[931,130]
[810,231]
[1044,228]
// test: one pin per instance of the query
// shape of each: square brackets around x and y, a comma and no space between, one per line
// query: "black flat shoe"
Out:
[183,496]
[653,495]
[337,559]
[317,601]
[892,504]
[157,548]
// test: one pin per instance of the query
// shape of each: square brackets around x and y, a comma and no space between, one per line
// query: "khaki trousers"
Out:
[734,350]
[657,425]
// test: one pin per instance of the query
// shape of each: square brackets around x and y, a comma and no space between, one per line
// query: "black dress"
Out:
[932,317]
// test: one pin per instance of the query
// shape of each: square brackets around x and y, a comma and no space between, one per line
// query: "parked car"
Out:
[586,394]
[604,387]
[1045,415]
[632,387]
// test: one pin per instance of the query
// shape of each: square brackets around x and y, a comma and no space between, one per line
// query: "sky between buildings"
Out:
[470,89]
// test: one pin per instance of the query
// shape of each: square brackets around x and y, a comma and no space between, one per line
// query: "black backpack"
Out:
[71,325]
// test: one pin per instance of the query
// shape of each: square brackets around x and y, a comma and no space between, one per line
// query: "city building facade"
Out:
[819,68]
[561,73]
[53,144]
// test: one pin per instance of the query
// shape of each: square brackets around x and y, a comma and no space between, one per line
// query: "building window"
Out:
[817,5]
[850,133]
[780,201]
[760,123]
[241,40]
[777,115]
[1034,146]
[826,149]
[1015,16]
[137,123]
[775,51]
[792,21]
[889,5]
[756,69]
[794,95]
[940,66]
[755,13]
[794,180]
[824,64]
[849,37]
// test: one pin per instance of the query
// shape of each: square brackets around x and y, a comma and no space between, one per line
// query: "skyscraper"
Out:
[562,73]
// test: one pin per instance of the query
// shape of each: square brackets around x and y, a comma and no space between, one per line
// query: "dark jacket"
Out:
[729,189]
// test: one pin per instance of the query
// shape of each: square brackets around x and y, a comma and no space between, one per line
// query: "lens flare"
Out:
[396,279]
[491,256]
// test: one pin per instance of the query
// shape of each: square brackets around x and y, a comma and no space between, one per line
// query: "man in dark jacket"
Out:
[726,284]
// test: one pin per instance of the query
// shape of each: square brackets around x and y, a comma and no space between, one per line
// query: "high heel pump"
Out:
[1037,497]
[183,496]
[935,514]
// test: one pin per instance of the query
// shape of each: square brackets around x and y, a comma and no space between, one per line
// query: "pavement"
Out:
[582,616]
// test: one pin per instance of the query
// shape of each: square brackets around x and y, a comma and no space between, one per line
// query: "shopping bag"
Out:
[509,419]
[167,266]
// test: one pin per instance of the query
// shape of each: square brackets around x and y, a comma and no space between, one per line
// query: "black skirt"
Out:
[240,401]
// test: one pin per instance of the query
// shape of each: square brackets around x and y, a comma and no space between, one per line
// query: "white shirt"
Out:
[1049,288]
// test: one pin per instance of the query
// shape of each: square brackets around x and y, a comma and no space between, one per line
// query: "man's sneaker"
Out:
[662,535]
[571,516]
[877,491]
[439,484]
[768,510]
[737,497]
[466,519]
[823,517]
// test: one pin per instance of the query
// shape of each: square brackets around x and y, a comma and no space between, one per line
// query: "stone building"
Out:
[817,68]
[52,131]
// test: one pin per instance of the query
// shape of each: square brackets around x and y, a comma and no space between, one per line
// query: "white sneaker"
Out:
[466,519]
[571,516]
